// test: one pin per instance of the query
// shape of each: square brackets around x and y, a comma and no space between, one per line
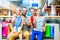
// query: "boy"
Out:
[31,18]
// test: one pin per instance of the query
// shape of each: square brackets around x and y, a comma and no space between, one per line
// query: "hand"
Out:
[20,32]
[13,31]
[44,29]
[30,33]
[24,23]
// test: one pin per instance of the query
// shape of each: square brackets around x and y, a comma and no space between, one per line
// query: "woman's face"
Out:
[18,12]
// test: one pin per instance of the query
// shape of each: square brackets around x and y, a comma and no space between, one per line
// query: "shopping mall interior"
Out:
[50,7]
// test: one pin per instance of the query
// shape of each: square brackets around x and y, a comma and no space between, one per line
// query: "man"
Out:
[17,23]
[26,25]
[39,22]
[31,18]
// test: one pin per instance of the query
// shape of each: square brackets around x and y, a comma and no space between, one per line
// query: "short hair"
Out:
[31,8]
[40,9]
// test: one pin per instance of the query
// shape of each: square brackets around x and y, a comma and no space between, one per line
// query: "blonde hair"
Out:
[18,9]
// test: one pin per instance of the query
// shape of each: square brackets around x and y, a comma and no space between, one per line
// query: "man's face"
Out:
[38,11]
[32,11]
[24,11]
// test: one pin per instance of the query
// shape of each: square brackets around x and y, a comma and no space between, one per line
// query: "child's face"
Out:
[38,12]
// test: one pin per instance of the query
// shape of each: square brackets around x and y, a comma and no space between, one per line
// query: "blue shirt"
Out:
[18,21]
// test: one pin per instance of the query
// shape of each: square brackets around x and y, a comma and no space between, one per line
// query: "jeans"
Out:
[38,33]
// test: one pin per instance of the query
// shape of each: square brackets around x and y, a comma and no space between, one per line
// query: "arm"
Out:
[44,27]
[34,22]
[44,24]
[27,24]
[13,19]
[29,20]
